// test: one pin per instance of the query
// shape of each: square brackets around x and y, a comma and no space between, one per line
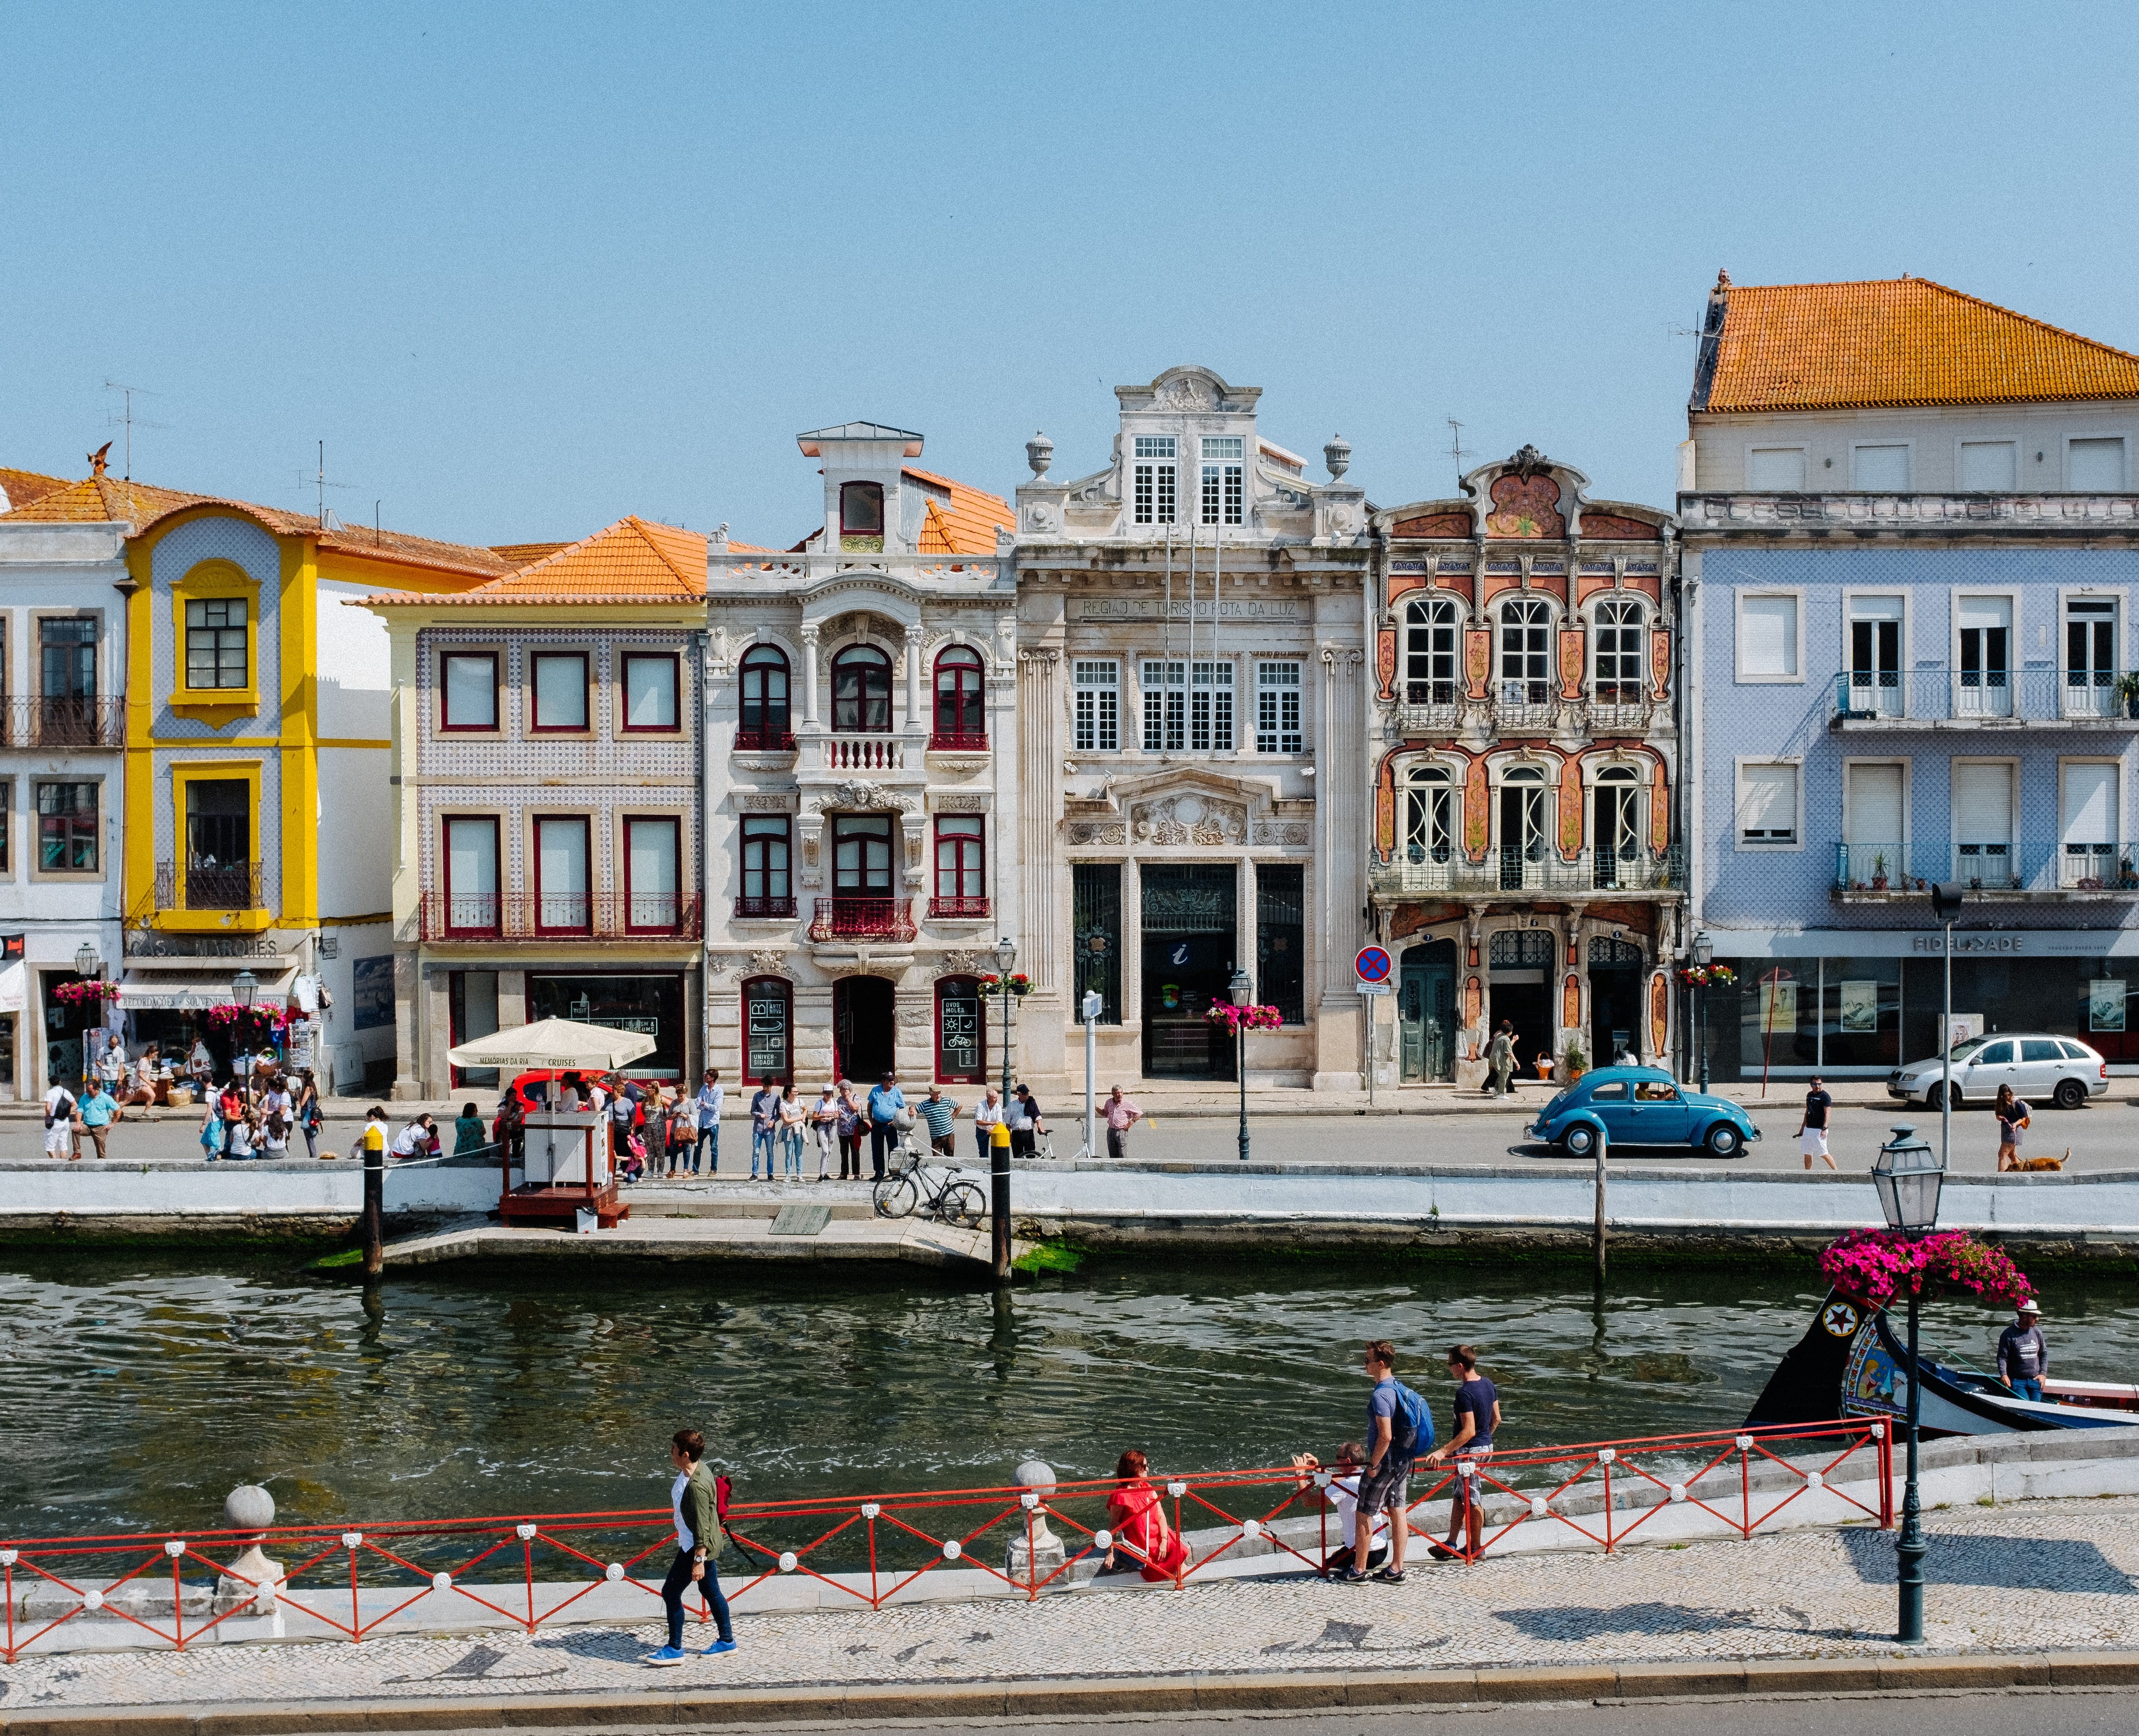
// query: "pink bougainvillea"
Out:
[1252,1018]
[77,993]
[1876,1266]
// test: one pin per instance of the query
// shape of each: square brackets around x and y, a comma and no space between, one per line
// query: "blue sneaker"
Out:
[716,1647]
[667,1658]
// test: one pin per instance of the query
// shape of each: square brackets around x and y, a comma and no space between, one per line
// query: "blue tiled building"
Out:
[1911,620]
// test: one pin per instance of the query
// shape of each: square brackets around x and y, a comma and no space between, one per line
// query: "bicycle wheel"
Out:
[895,1196]
[962,1204]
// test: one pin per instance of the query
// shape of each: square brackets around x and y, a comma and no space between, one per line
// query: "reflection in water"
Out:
[141,1387]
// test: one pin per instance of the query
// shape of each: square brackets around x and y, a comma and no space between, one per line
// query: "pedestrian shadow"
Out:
[1574,1621]
[600,1645]
[2002,1563]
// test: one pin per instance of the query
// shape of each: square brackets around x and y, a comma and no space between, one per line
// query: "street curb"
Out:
[1099,1696]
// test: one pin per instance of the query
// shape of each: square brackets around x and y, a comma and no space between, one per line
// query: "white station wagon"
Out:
[2060,1070]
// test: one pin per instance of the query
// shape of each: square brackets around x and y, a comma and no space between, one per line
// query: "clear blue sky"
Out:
[527,268]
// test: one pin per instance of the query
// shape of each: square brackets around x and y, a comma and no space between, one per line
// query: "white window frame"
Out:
[1150,465]
[1631,776]
[1214,727]
[2107,433]
[1908,444]
[1646,626]
[2068,594]
[1981,439]
[2123,806]
[1745,465]
[1222,478]
[1738,606]
[2015,662]
[1274,733]
[1554,620]
[1450,779]
[1907,839]
[1163,705]
[1905,662]
[1953,840]
[1096,691]
[1766,846]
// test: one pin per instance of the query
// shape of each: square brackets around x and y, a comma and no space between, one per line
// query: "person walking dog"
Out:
[696,1498]
[2014,1114]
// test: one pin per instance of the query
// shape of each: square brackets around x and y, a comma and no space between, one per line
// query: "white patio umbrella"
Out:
[562,1045]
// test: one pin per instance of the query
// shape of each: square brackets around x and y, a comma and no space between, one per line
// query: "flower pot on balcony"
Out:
[1878,882]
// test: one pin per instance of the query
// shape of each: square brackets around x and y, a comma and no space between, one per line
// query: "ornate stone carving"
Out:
[1190,819]
[1283,832]
[1039,453]
[966,961]
[955,802]
[1040,517]
[767,961]
[859,795]
[777,802]
[1084,832]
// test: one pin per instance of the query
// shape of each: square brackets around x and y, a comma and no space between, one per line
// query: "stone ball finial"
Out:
[1337,454]
[1039,453]
[248,1508]
[1037,1475]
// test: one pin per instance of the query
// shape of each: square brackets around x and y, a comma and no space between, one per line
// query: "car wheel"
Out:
[2070,1093]
[1934,1098]
[1579,1141]
[1724,1139]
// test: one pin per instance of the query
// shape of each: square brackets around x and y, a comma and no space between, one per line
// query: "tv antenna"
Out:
[128,420]
[1457,450]
[318,480]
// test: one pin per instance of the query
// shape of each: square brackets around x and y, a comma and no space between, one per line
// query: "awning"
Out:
[555,1044]
[157,991]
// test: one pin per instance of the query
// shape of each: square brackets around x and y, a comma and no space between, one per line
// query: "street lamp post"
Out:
[1946,906]
[1704,953]
[998,1152]
[1909,1178]
[1241,992]
[89,966]
[1089,1007]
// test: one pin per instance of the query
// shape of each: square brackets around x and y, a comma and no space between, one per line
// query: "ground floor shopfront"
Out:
[797,1020]
[1856,1003]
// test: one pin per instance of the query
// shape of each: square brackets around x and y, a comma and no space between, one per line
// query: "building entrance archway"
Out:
[1425,1013]
[1615,1000]
[864,1028]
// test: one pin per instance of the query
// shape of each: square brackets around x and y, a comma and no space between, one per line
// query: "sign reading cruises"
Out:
[1154,608]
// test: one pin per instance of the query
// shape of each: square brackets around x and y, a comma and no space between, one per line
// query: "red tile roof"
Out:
[19,487]
[966,523]
[629,561]
[1892,342]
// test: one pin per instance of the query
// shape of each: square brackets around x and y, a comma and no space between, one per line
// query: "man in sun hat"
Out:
[2023,1354]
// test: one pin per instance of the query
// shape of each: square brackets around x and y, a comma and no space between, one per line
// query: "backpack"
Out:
[1413,1416]
[62,1110]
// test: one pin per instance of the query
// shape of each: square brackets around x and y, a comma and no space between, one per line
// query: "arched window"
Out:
[1617,677]
[1615,827]
[961,721]
[763,722]
[1430,652]
[861,517]
[1522,827]
[1526,653]
[861,691]
[1430,816]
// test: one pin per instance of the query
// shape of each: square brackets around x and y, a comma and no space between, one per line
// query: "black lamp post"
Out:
[1909,1176]
[89,967]
[1241,992]
[998,1152]
[1704,954]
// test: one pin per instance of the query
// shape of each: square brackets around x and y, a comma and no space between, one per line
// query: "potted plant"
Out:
[1574,1064]
[2127,689]
[1879,872]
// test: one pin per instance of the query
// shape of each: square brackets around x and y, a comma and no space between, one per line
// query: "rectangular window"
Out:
[66,662]
[1879,469]
[1767,804]
[961,876]
[471,875]
[861,855]
[1098,696]
[68,832]
[1095,961]
[215,643]
[649,691]
[468,691]
[562,900]
[1211,708]
[2091,660]
[561,690]
[1277,709]
[1165,706]
[766,890]
[1281,939]
[2089,811]
[1985,626]
[1875,655]
[1988,466]
[653,856]
[2095,466]
[1775,469]
[1153,479]
[1767,638]
[1983,822]
[1874,806]
[1224,482]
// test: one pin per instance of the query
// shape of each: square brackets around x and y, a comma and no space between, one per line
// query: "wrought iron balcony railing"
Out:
[1904,698]
[1616,872]
[957,909]
[764,909]
[874,919]
[958,742]
[561,916]
[764,741]
[64,722]
[208,886]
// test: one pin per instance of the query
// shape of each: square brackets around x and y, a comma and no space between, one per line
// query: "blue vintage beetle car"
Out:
[1641,1106]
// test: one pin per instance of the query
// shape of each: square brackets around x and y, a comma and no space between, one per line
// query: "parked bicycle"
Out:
[915,1190]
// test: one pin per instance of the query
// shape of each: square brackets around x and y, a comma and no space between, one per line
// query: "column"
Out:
[810,674]
[913,719]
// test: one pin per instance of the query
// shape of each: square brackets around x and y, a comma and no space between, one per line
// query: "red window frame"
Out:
[960,988]
[760,829]
[586,722]
[537,822]
[446,725]
[674,821]
[966,722]
[965,838]
[770,734]
[861,491]
[768,986]
[867,660]
[624,725]
[447,822]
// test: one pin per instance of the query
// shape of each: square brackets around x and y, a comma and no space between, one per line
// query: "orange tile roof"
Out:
[104,501]
[966,523]
[629,561]
[1891,342]
[19,487]
[526,554]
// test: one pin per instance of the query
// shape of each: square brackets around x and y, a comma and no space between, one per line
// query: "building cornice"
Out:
[1902,517]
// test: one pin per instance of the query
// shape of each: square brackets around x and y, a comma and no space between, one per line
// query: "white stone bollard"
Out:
[1047,1554]
[249,1508]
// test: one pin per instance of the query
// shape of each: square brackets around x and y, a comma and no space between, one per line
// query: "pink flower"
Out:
[1876,1265]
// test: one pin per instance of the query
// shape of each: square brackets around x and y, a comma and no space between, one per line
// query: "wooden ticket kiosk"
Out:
[569,1169]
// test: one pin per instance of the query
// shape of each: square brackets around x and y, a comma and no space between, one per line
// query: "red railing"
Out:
[871,1549]
[764,741]
[762,909]
[560,916]
[956,910]
[958,742]
[868,919]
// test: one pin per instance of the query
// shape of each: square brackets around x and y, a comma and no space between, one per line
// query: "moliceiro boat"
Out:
[1852,1362]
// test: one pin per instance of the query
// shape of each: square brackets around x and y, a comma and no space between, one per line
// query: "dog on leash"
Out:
[2045,1163]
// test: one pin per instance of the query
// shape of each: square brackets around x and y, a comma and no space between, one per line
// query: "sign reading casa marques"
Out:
[1154,608]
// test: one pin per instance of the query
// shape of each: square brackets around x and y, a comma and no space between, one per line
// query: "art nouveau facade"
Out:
[1525,858]
[1190,637]
[862,777]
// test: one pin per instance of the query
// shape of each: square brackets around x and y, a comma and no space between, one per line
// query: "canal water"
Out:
[136,1389]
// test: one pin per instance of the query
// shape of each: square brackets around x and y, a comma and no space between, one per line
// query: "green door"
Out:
[1426,1012]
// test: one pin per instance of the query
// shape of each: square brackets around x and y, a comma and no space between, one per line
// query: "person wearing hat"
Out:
[2023,1355]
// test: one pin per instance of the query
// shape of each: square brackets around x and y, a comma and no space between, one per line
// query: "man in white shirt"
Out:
[710,1097]
[412,1141]
[1342,1494]
[59,1124]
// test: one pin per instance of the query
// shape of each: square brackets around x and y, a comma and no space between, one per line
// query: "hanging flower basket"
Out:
[79,994]
[230,1013]
[1876,1266]
[1707,976]
[1020,984]
[1245,1018]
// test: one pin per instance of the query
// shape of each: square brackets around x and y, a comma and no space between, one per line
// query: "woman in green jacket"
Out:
[696,1502]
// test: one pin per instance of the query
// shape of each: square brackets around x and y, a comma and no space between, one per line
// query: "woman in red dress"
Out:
[1138,1518]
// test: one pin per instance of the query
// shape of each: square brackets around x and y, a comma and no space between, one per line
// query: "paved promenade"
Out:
[2044,1576]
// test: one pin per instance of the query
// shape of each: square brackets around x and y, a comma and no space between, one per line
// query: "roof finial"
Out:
[96,459]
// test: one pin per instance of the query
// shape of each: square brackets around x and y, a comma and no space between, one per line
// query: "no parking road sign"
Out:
[1373,966]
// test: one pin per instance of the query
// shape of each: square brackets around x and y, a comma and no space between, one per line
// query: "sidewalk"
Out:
[2031,1592]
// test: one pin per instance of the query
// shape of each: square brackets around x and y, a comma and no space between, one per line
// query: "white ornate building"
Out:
[1191,722]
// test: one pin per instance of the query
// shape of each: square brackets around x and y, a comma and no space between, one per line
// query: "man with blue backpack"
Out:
[1399,1428]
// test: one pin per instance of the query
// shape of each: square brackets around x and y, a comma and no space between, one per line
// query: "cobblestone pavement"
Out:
[2046,1575]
